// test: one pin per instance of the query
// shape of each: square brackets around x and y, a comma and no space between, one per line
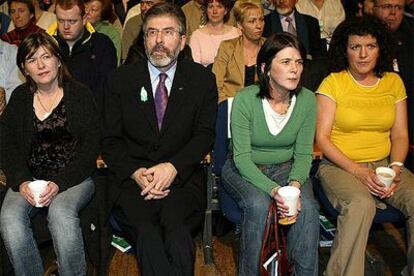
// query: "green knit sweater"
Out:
[254,144]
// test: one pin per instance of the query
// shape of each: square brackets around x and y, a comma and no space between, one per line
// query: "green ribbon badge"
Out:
[144,95]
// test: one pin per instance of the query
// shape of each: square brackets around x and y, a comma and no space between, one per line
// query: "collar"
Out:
[154,72]
[53,29]
[291,15]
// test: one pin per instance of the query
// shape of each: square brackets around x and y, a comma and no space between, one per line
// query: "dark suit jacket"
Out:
[133,140]
[307,29]
[404,53]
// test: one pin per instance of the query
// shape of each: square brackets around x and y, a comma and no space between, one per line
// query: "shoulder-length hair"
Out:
[361,26]
[273,45]
[28,48]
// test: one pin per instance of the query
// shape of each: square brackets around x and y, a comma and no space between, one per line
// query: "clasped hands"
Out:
[369,178]
[155,181]
[51,190]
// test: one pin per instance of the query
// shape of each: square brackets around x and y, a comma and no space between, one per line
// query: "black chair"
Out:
[217,198]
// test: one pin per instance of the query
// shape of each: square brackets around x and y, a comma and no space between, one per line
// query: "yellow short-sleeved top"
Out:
[364,114]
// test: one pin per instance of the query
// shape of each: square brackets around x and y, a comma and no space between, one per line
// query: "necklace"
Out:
[287,107]
[285,110]
[49,110]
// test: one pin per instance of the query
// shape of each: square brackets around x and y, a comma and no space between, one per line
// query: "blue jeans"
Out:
[64,226]
[303,236]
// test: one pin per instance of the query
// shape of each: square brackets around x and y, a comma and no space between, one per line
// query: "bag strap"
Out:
[275,237]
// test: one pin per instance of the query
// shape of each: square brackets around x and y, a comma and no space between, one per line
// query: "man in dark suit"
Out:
[159,121]
[285,18]
[391,12]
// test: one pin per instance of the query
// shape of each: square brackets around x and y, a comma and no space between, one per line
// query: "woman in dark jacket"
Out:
[49,131]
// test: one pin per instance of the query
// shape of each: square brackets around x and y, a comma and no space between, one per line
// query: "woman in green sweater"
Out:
[273,126]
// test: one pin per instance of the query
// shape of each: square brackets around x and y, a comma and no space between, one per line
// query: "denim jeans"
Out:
[64,226]
[303,236]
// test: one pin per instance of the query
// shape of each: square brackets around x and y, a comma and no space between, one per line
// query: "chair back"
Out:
[228,206]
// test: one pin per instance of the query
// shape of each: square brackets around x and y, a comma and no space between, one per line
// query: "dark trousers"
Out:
[160,229]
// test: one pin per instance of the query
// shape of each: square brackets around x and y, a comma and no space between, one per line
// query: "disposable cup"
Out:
[37,187]
[290,196]
[385,175]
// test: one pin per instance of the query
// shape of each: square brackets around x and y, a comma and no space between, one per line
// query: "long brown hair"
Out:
[28,48]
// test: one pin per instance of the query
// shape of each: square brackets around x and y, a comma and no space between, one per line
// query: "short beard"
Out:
[164,61]
[284,11]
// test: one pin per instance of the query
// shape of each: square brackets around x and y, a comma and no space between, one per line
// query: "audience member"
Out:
[43,19]
[328,12]
[368,7]
[235,63]
[22,13]
[205,41]
[124,8]
[391,12]
[9,73]
[133,11]
[101,15]
[133,26]
[88,54]
[194,16]
[286,19]
[362,125]
[160,124]
[58,126]
[273,126]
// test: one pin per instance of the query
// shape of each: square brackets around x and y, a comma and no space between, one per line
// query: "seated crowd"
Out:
[139,83]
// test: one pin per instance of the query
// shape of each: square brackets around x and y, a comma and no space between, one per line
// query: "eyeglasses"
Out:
[166,33]
[389,7]
[44,58]
[69,21]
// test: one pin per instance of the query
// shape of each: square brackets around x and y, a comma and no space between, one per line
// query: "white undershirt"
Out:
[275,121]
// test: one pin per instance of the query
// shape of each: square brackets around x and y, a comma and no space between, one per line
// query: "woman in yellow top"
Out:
[361,125]
[235,62]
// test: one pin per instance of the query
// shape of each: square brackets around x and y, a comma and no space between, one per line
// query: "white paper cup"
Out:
[37,187]
[385,175]
[290,196]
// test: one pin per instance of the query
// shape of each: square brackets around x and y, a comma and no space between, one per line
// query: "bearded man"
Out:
[160,123]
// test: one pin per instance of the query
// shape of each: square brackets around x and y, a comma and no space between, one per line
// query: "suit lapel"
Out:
[301,30]
[276,24]
[147,106]
[239,57]
[176,98]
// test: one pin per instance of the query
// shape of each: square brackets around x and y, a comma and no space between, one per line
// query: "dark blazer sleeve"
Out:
[12,139]
[203,132]
[272,24]
[84,123]
[107,62]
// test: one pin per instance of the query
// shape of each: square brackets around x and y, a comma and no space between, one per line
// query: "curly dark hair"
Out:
[273,45]
[361,26]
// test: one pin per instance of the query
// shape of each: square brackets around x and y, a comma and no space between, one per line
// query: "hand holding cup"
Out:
[37,187]
[289,196]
